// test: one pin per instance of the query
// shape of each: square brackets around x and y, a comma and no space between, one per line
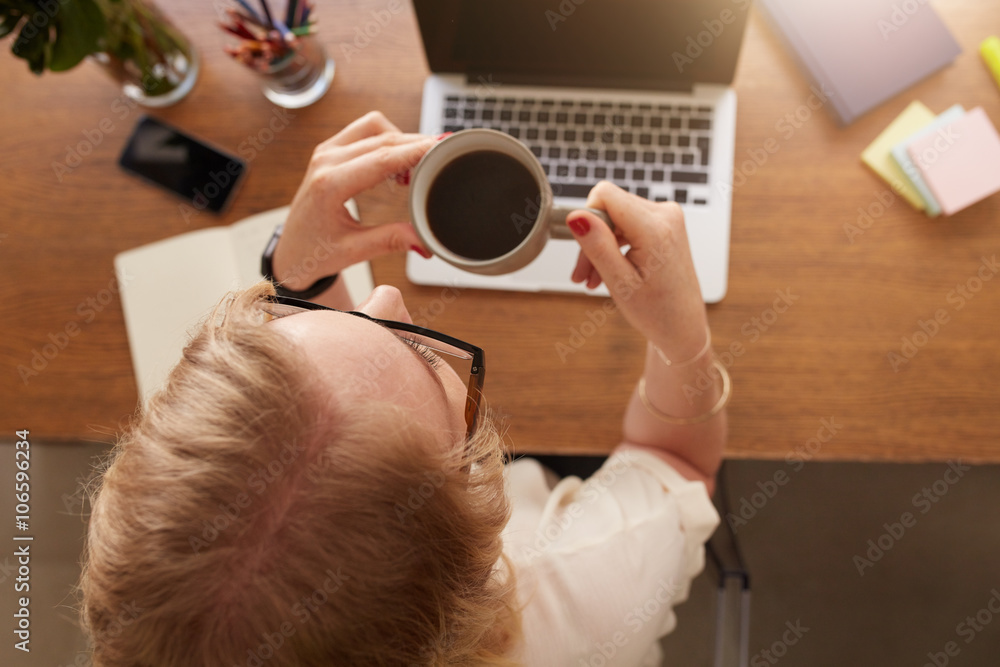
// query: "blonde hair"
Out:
[246,521]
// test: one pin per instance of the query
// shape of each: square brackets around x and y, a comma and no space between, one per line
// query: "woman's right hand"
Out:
[654,284]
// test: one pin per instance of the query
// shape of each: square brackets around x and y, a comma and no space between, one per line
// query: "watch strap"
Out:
[267,270]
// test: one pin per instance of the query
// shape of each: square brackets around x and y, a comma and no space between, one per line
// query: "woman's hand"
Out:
[320,236]
[654,283]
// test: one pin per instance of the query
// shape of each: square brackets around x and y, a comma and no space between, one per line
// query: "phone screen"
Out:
[201,174]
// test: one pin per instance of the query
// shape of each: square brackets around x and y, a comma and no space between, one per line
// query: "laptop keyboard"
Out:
[658,151]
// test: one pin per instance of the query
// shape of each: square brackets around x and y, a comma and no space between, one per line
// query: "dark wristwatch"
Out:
[267,270]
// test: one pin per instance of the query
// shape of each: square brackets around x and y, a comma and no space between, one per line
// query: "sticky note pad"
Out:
[878,154]
[990,50]
[960,161]
[902,158]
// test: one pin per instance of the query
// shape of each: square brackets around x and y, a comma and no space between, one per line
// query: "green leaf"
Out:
[79,25]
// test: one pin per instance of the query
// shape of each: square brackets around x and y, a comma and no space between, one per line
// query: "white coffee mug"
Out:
[549,221]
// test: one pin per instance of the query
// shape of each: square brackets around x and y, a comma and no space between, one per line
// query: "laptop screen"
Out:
[651,44]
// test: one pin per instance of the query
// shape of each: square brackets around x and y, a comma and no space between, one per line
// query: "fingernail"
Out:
[404,178]
[442,136]
[580,226]
[420,251]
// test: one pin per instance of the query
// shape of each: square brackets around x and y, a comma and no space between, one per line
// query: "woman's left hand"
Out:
[320,236]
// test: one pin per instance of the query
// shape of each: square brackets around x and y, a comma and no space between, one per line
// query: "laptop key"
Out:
[649,157]
[592,155]
[606,105]
[524,116]
[453,128]
[638,174]
[645,139]
[681,196]
[587,105]
[580,118]
[514,132]
[607,137]
[537,150]
[702,202]
[619,174]
[551,135]
[656,122]
[675,123]
[611,155]
[638,121]
[645,107]
[469,114]
[545,168]
[629,156]
[548,103]
[699,124]
[618,120]
[661,199]
[561,118]
[642,192]
[625,138]
[578,190]
[509,101]
[625,105]
[684,109]
[543,116]
[688,177]
[581,172]
[566,103]
[555,152]
[490,101]
[506,115]
[589,136]
[657,175]
[487,114]
[562,170]
[600,172]
[683,141]
[451,113]
[598,119]
[687,158]
[452,98]
[664,140]
[532,133]
[705,109]
[573,153]
[569,135]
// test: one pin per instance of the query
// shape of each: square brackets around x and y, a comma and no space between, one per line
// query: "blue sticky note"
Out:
[902,158]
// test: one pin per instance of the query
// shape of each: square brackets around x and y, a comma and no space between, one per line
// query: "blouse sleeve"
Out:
[601,563]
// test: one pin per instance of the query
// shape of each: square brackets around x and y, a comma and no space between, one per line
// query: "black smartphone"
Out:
[202,174]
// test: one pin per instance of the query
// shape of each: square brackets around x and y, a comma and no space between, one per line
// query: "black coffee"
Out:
[483,204]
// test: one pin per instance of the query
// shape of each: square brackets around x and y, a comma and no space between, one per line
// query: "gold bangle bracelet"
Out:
[727,389]
[682,364]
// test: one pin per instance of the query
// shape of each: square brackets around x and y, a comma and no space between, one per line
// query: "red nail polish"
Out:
[446,134]
[420,251]
[580,226]
[404,178]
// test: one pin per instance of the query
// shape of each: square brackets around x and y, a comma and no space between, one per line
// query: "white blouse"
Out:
[600,563]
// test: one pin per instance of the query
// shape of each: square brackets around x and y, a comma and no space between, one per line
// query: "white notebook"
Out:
[167,288]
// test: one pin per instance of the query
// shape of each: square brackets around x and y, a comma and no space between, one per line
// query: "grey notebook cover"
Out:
[863,51]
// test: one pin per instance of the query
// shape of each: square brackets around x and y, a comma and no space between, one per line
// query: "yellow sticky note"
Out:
[878,155]
[990,50]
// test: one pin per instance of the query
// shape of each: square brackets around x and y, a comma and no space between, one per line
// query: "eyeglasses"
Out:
[467,360]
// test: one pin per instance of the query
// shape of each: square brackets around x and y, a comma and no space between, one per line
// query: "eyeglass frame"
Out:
[477,374]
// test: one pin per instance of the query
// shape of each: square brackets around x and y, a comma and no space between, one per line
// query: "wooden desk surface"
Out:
[824,358]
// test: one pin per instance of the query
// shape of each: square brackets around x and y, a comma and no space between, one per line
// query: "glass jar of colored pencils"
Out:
[300,76]
[151,59]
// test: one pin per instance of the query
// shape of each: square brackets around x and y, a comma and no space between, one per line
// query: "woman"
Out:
[310,488]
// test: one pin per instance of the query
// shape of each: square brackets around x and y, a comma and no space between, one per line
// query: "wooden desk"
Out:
[825,357]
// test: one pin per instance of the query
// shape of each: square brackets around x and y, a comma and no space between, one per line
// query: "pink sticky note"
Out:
[961,161]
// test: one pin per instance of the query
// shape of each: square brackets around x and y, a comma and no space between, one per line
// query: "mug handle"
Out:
[558,215]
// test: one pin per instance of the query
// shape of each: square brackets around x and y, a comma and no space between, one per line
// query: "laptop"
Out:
[637,92]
